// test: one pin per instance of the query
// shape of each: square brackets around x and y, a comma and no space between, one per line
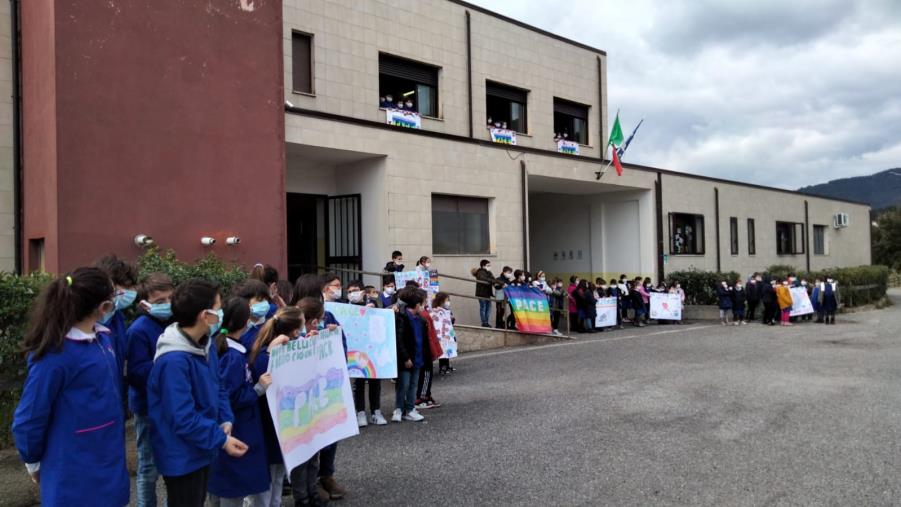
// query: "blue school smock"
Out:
[330,319]
[250,335]
[272,309]
[116,326]
[70,420]
[248,475]
[186,404]
[273,451]
[814,298]
[141,338]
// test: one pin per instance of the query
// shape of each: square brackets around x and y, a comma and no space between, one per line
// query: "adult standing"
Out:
[484,289]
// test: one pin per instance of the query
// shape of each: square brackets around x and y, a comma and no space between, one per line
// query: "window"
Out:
[571,119]
[686,234]
[752,239]
[302,62]
[733,235]
[36,256]
[819,240]
[789,238]
[408,82]
[506,105]
[459,225]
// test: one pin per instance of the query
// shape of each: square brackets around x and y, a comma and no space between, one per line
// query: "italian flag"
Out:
[616,140]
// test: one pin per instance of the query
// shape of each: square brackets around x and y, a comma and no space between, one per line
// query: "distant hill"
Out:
[880,190]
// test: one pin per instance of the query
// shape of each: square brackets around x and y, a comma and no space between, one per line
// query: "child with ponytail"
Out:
[69,425]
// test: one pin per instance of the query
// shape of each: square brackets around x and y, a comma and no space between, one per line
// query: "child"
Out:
[784,300]
[125,278]
[677,289]
[644,288]
[371,296]
[739,298]
[424,382]
[724,295]
[768,298]
[500,310]
[412,349]
[625,298]
[359,384]
[815,300]
[69,427]
[387,298]
[269,276]
[287,322]
[484,289]
[190,416]
[232,479]
[829,299]
[395,265]
[557,299]
[614,291]
[257,295]
[637,303]
[753,289]
[446,336]
[141,337]
[807,288]
[424,263]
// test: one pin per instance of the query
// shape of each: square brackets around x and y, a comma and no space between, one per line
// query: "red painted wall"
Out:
[170,122]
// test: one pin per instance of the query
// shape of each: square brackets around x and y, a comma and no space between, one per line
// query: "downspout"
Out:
[469,68]
[15,17]
[525,214]
[658,197]
[807,234]
[716,198]
[601,109]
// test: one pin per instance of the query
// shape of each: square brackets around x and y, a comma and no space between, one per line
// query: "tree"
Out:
[887,239]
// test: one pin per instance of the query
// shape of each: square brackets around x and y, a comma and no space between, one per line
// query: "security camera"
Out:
[232,240]
[207,241]
[143,241]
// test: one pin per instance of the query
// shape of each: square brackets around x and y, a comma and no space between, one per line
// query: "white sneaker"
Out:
[378,419]
[413,416]
[398,415]
[361,419]
[557,333]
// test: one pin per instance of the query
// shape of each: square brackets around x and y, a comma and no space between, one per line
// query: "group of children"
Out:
[738,303]
[194,365]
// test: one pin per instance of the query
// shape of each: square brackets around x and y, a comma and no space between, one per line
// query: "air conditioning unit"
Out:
[840,220]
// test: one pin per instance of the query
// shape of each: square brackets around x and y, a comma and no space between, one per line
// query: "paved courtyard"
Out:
[666,415]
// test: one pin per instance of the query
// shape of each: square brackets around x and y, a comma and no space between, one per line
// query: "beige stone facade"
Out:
[7,199]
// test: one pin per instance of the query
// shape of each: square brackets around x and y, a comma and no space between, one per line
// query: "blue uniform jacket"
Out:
[186,404]
[141,336]
[70,420]
[273,451]
[248,475]
[250,335]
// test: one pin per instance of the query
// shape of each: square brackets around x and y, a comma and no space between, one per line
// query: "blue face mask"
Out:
[107,316]
[259,310]
[320,325]
[215,327]
[125,299]
[161,311]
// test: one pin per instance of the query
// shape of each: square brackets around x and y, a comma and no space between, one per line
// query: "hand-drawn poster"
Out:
[665,306]
[444,326]
[606,312]
[370,332]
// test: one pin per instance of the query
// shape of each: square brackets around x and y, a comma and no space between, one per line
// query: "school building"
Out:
[269,121]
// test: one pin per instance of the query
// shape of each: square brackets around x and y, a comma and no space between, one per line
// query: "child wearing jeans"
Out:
[412,349]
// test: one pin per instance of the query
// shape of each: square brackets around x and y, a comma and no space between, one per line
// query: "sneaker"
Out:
[413,416]
[378,419]
[421,404]
[398,415]
[335,491]
[361,419]
[557,333]
[432,403]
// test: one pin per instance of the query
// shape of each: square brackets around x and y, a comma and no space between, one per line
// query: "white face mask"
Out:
[389,291]
[738,287]
[487,268]
[335,294]
[543,279]
[355,296]
[446,305]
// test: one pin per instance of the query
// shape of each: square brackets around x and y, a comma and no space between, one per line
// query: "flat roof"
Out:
[527,26]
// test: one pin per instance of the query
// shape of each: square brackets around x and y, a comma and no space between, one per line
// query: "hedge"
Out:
[700,286]
[17,294]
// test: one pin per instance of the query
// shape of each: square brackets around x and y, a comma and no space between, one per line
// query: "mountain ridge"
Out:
[880,190]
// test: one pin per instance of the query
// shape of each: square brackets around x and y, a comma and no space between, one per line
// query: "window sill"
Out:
[305,94]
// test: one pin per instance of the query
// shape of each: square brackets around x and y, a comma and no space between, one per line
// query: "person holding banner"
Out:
[359,384]
[412,349]
[784,300]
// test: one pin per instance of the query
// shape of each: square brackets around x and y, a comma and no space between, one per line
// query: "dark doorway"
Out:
[324,232]
[305,228]
[345,250]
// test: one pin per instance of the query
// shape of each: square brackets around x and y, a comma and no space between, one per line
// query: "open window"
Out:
[506,105]
[789,238]
[571,121]
[686,234]
[408,85]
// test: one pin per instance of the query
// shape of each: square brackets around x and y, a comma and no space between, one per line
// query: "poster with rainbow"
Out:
[310,398]
[370,332]
[530,308]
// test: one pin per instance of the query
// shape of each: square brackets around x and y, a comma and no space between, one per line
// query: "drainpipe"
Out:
[525,214]
[469,69]
[716,198]
[807,234]
[658,197]
[15,17]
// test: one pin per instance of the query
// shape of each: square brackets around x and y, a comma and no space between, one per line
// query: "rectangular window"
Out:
[789,238]
[752,238]
[819,240]
[686,234]
[459,225]
[302,62]
[571,121]
[506,105]
[733,235]
[409,85]
[36,255]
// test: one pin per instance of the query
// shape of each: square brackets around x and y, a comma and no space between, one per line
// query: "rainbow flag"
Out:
[530,307]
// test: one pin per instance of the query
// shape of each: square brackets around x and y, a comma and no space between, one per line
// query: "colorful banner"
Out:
[310,398]
[801,304]
[420,277]
[444,326]
[371,340]
[530,308]
[406,119]
[606,312]
[503,136]
[568,147]
[665,306]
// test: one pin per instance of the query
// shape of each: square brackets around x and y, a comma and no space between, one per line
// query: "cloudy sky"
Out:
[765,91]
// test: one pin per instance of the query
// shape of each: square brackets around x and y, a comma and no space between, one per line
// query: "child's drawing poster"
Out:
[370,332]
[310,398]
[605,312]
[444,327]
[801,304]
[665,306]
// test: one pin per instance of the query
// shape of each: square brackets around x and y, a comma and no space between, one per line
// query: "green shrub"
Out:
[858,285]
[209,267]
[700,286]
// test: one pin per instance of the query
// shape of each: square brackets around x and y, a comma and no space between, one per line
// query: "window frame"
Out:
[822,245]
[733,235]
[752,237]
[461,230]
[563,104]
[698,237]
[311,54]
[797,247]
[511,90]
[423,67]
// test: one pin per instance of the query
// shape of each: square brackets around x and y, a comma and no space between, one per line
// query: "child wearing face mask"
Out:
[484,289]
[807,287]
[412,351]
[677,289]
[500,284]
[395,265]
[724,295]
[69,426]
[190,413]
[257,295]
[141,337]
[441,312]
[424,398]
[125,278]
[557,298]
[739,298]
[784,300]
[768,299]
[233,479]
[387,297]
[424,263]
[355,296]
[828,299]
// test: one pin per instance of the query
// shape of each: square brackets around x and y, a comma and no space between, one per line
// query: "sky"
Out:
[777,93]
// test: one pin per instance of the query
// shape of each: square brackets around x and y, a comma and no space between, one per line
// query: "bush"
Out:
[700,286]
[209,267]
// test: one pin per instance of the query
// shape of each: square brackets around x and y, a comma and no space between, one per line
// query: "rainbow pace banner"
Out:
[310,398]
[568,147]
[530,308]
[371,339]
[406,119]
[503,136]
